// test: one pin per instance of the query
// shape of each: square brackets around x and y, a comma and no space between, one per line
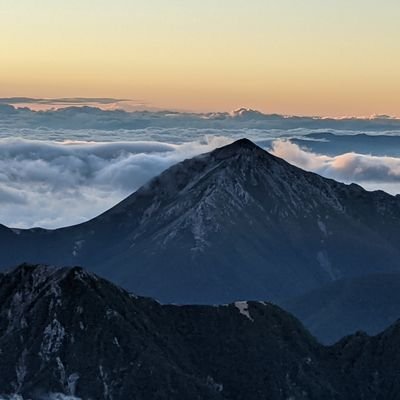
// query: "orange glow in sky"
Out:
[293,57]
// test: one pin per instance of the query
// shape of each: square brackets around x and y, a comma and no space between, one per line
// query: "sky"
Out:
[308,57]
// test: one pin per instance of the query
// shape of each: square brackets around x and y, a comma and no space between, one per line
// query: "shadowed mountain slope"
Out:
[233,223]
[67,331]
[370,303]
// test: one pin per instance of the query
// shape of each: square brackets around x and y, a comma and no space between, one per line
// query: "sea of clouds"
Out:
[62,167]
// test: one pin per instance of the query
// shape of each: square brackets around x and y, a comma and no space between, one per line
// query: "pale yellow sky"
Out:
[314,57]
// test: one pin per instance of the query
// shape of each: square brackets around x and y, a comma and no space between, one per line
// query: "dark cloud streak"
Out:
[61,100]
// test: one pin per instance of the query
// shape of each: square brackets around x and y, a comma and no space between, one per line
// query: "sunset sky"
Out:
[309,57]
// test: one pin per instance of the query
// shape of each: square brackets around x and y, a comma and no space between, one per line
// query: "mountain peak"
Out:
[42,278]
[238,146]
[236,222]
[244,143]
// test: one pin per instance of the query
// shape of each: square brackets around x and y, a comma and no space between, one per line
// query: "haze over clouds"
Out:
[52,104]
[87,117]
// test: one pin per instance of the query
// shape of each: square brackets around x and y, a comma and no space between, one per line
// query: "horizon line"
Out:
[111,104]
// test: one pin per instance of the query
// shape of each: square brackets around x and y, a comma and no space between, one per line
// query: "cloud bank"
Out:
[369,171]
[62,167]
[52,184]
[88,117]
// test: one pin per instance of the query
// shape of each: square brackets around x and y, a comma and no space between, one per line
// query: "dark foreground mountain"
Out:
[370,303]
[67,331]
[234,223]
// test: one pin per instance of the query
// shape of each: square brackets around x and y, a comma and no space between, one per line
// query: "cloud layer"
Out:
[61,167]
[85,117]
[52,184]
[370,171]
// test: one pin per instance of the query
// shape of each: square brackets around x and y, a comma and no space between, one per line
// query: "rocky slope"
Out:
[65,331]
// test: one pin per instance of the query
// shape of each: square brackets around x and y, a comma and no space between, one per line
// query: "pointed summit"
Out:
[241,145]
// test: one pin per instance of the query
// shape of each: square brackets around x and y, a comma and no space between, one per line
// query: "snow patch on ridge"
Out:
[243,308]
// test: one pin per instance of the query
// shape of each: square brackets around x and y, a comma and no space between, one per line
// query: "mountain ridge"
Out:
[76,334]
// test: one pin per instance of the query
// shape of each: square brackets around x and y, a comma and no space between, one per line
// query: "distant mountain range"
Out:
[333,144]
[65,332]
[235,223]
[79,117]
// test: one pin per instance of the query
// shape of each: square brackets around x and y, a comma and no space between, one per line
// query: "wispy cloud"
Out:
[61,100]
